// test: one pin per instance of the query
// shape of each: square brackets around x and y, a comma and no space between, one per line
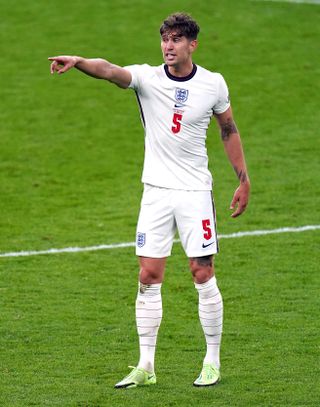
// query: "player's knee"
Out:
[201,268]
[150,274]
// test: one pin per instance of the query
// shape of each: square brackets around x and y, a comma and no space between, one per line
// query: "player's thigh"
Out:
[196,223]
[156,224]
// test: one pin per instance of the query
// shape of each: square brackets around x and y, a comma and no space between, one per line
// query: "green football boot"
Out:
[137,377]
[209,376]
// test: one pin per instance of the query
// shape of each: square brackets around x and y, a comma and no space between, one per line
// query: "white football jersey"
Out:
[176,113]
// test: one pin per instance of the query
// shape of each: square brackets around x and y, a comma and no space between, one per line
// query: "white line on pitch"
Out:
[132,244]
[317,2]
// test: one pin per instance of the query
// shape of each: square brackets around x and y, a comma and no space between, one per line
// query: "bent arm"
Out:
[233,148]
[97,68]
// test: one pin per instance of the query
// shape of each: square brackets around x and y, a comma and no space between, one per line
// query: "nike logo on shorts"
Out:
[204,246]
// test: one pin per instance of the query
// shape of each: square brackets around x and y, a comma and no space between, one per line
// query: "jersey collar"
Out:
[180,78]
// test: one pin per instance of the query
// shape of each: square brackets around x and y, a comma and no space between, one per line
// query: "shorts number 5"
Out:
[207,229]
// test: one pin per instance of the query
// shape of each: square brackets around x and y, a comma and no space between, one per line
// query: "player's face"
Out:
[176,49]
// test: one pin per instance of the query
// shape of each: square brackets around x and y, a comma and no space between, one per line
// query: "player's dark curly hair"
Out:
[183,23]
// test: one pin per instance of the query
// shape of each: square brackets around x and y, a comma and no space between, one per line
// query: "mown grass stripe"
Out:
[298,229]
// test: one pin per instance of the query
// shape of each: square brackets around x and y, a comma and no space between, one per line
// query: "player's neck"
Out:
[181,70]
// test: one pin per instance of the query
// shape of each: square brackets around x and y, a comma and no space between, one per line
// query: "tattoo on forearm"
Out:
[227,129]
[242,175]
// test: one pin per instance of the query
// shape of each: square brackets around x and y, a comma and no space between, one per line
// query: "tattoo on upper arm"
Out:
[242,175]
[227,128]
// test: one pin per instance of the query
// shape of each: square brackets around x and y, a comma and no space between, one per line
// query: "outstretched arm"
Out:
[233,147]
[98,68]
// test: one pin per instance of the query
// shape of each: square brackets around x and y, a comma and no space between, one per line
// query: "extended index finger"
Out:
[54,58]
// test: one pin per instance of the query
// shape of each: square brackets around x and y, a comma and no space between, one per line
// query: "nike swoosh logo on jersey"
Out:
[206,245]
[178,105]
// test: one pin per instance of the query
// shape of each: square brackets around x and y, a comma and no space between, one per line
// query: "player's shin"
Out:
[211,318]
[148,318]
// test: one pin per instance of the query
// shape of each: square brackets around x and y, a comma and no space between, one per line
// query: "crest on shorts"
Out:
[141,239]
[181,95]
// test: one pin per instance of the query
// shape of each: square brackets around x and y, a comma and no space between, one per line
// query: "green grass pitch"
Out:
[71,152]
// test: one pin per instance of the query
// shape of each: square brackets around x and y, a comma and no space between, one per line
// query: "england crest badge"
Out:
[141,239]
[181,95]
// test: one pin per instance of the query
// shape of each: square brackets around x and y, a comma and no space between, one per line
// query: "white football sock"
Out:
[211,315]
[148,318]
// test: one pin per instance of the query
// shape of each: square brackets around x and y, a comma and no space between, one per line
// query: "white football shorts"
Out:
[164,211]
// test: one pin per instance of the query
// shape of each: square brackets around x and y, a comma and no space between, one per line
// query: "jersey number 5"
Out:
[177,123]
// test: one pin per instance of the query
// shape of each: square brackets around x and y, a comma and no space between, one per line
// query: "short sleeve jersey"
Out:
[176,113]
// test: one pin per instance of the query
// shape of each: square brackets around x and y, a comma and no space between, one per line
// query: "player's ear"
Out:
[193,45]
